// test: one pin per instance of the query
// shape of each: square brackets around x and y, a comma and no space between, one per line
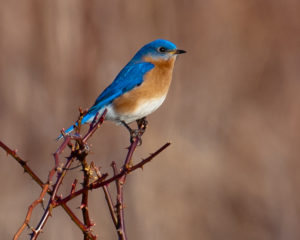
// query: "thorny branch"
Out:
[43,186]
[29,212]
[79,152]
[107,195]
[84,200]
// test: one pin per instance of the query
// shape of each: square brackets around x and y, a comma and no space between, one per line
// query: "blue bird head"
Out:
[159,49]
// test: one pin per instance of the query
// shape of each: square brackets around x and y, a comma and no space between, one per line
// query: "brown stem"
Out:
[101,182]
[45,187]
[22,163]
[82,227]
[84,200]
[60,150]
[51,202]
[27,169]
[95,126]
[80,152]
[120,227]
[107,195]
[29,212]
[120,182]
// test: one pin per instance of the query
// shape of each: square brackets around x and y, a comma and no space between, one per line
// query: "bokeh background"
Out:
[232,113]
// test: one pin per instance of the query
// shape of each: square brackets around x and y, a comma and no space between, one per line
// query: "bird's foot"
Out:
[136,135]
[142,123]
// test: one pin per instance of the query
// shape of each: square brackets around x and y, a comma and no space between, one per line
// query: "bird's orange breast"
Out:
[155,85]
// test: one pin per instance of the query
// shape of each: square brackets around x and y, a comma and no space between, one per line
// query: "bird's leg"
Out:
[142,124]
[137,133]
[134,133]
[127,127]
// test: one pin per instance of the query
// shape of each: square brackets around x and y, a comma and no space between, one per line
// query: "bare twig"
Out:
[23,163]
[44,186]
[51,202]
[120,182]
[79,151]
[29,212]
[80,155]
[60,150]
[120,227]
[101,182]
[107,195]
[78,223]
[84,200]
[94,127]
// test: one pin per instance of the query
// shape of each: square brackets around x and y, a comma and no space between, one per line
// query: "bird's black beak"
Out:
[178,51]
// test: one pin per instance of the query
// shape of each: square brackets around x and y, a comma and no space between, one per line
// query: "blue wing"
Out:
[131,75]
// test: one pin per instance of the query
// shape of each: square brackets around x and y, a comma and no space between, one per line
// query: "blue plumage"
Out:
[151,49]
[131,76]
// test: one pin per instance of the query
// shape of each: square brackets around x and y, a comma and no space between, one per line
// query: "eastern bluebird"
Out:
[140,88]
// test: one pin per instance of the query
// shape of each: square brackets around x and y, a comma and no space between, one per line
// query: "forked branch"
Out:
[79,152]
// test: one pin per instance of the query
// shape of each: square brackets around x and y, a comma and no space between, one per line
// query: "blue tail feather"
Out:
[84,120]
[70,129]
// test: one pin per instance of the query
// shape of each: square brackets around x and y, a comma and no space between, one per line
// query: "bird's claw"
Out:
[142,123]
[136,134]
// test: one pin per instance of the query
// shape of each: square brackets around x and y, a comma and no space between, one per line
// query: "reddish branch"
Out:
[107,195]
[29,212]
[44,186]
[51,203]
[79,224]
[23,163]
[84,200]
[79,151]
[101,182]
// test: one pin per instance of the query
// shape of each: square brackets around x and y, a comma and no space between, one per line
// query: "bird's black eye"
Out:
[162,49]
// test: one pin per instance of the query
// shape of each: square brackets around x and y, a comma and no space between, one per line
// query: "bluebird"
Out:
[139,89]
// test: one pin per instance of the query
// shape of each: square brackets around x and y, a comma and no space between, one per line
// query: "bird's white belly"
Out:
[144,109]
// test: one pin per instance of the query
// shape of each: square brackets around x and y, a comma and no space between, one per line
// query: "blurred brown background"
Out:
[232,114]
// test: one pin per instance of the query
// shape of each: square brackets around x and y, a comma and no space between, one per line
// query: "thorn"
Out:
[128,166]
[29,226]
[83,206]
[92,223]
[59,169]
[74,186]
[43,206]
[121,182]
[121,206]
